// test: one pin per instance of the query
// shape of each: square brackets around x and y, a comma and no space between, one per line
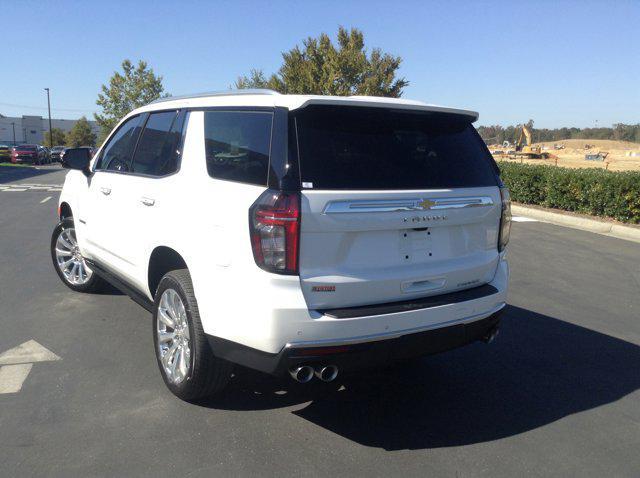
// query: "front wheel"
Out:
[187,364]
[69,262]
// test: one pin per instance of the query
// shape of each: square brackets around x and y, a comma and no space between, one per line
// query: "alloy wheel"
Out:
[174,338]
[70,260]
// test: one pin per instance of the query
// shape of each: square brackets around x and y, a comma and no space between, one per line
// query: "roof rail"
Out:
[247,91]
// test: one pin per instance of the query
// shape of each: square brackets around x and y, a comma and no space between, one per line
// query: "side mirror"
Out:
[77,158]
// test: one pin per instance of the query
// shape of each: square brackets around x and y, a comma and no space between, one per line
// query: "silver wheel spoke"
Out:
[178,365]
[69,258]
[166,358]
[165,318]
[65,241]
[174,362]
[72,274]
[175,307]
[164,337]
[183,362]
[173,337]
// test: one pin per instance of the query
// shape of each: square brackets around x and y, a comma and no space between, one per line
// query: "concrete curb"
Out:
[560,218]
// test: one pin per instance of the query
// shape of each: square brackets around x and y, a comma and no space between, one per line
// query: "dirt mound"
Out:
[618,156]
[604,144]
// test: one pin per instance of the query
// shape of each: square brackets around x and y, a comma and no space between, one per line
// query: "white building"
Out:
[31,129]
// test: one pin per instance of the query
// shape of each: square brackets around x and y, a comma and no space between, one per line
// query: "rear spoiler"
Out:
[396,104]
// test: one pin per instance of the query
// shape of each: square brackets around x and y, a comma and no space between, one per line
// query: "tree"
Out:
[321,68]
[58,137]
[81,134]
[135,87]
[255,79]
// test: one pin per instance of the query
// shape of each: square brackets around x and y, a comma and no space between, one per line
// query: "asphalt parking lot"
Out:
[555,395]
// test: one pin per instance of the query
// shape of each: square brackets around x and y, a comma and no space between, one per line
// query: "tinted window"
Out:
[116,155]
[237,145]
[157,152]
[376,148]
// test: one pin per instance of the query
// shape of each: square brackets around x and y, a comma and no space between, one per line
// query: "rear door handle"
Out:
[105,191]
[147,201]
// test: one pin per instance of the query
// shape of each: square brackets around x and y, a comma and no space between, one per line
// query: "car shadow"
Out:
[10,174]
[539,370]
[108,289]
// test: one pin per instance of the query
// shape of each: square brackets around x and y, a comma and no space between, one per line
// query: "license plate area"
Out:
[416,245]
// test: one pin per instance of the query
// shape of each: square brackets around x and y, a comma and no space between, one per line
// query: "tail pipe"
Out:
[302,374]
[327,373]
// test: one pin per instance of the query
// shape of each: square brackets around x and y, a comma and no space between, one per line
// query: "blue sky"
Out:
[561,63]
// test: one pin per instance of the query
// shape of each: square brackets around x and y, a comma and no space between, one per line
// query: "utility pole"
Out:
[49,107]
[13,125]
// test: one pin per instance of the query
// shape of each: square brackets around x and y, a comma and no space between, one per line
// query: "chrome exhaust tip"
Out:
[302,374]
[327,373]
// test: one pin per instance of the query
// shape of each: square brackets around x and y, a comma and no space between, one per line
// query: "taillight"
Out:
[505,219]
[274,226]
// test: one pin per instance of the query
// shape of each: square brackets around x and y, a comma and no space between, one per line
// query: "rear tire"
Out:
[187,364]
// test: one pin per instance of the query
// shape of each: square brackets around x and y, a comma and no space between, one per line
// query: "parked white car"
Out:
[301,235]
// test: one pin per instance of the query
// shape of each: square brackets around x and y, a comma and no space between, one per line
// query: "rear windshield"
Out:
[378,148]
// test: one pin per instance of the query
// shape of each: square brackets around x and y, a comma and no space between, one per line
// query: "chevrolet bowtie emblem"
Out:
[426,204]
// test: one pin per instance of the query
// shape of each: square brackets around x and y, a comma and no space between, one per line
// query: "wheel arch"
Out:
[162,260]
[64,210]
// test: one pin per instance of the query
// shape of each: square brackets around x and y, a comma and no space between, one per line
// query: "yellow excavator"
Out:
[524,148]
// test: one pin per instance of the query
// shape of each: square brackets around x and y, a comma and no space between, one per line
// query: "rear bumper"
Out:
[275,314]
[357,353]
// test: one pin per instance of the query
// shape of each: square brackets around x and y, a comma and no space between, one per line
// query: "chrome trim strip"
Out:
[391,335]
[413,204]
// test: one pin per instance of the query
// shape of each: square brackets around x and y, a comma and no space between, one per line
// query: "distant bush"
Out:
[591,191]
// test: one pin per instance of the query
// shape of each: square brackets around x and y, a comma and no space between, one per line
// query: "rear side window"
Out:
[157,153]
[117,153]
[237,145]
[378,148]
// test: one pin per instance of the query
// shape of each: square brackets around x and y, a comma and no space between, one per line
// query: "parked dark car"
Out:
[45,153]
[55,153]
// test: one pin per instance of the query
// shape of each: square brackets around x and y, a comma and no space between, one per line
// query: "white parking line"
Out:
[21,187]
[45,199]
[523,219]
[13,376]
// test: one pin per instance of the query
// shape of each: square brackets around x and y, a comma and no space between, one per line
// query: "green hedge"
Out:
[591,191]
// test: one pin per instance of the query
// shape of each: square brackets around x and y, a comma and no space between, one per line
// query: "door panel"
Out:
[107,236]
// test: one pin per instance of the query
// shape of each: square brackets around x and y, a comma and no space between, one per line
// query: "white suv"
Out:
[291,234]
